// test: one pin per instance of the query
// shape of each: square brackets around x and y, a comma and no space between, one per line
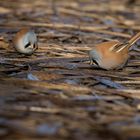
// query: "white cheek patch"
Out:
[20,47]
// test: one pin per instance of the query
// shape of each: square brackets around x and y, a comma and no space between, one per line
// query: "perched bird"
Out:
[112,54]
[25,41]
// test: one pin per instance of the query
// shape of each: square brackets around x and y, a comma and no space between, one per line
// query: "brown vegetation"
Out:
[55,93]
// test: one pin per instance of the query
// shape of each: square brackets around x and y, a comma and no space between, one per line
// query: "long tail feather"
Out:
[134,39]
[119,47]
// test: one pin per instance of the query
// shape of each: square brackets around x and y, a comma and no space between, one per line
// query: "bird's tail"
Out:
[134,39]
[121,46]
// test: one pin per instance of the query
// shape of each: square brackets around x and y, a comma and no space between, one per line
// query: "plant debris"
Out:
[55,93]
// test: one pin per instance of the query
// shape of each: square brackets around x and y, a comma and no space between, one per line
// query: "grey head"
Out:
[94,57]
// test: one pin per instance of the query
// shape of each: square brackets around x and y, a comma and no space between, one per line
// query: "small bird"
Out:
[25,41]
[112,54]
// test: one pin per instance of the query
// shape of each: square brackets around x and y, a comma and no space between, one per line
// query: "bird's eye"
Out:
[27,45]
[94,61]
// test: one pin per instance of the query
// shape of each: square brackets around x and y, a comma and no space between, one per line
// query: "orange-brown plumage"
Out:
[112,54]
[20,34]
[25,41]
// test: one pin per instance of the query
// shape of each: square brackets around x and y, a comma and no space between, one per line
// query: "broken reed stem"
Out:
[95,29]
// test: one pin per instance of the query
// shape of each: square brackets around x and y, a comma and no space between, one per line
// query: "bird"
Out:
[113,54]
[25,41]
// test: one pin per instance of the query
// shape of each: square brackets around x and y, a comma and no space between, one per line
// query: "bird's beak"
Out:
[91,62]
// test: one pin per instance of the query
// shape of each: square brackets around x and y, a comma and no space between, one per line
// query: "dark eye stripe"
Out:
[95,62]
[27,45]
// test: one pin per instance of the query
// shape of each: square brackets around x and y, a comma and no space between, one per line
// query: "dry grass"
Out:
[55,93]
